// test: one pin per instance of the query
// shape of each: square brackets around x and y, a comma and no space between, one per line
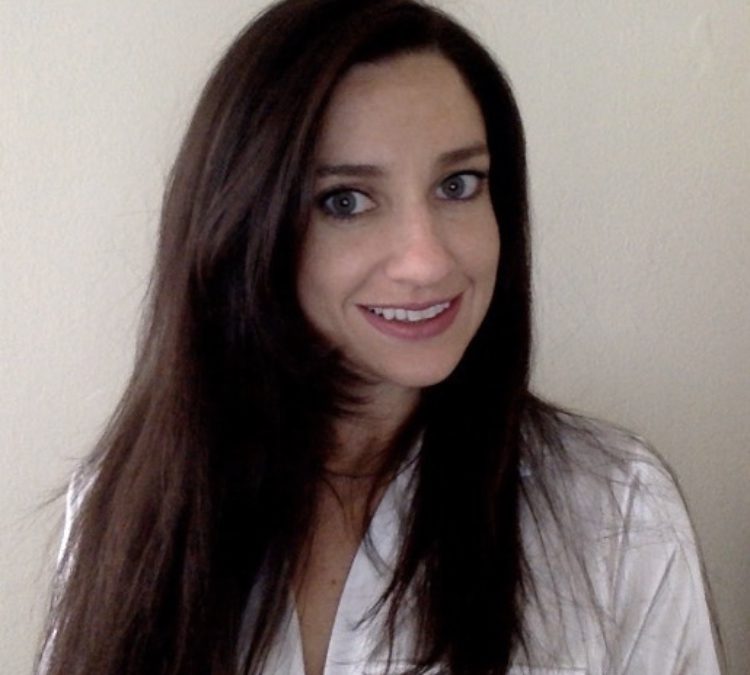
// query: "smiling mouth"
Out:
[410,315]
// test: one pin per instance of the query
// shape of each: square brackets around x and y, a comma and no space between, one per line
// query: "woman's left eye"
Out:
[462,185]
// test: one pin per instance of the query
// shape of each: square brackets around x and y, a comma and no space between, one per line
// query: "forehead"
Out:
[408,102]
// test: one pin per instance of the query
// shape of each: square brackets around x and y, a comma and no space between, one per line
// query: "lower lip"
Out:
[417,330]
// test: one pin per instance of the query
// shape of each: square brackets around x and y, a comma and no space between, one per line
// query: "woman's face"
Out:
[398,265]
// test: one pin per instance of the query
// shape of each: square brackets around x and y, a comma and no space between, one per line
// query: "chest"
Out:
[341,580]
[321,580]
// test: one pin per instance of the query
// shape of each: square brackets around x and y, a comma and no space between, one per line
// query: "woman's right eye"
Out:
[345,203]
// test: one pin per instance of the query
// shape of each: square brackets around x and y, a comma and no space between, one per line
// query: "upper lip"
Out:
[413,306]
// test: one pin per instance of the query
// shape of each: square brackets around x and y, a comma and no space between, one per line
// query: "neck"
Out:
[363,439]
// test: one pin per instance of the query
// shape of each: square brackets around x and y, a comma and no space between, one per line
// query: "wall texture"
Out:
[637,119]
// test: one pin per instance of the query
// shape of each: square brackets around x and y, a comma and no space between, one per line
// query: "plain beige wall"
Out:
[637,118]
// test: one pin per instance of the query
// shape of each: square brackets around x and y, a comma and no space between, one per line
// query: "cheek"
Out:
[326,278]
[481,251]
[308,278]
[490,251]
[497,254]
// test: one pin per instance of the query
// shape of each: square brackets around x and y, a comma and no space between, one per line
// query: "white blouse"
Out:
[636,606]
[630,600]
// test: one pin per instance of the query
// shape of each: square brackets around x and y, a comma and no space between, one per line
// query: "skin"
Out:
[403,216]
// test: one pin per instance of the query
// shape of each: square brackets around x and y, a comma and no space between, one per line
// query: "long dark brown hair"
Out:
[202,483]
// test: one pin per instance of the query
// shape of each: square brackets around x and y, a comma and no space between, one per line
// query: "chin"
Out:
[417,376]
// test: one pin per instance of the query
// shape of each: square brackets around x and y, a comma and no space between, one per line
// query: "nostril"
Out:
[422,260]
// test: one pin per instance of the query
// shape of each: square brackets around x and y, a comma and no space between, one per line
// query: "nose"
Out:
[419,252]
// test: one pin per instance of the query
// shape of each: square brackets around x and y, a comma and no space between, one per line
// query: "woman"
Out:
[328,459]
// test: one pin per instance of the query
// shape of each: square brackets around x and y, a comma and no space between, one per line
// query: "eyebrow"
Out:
[354,170]
[372,170]
[462,154]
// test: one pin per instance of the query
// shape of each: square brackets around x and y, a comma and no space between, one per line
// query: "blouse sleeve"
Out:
[663,623]
[71,503]
[78,487]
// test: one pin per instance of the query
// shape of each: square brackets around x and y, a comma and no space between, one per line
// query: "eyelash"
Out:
[335,192]
[481,177]
[322,199]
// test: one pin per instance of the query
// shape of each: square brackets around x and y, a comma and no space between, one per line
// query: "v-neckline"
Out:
[336,628]
[366,577]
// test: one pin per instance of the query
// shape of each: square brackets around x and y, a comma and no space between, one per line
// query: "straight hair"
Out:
[198,493]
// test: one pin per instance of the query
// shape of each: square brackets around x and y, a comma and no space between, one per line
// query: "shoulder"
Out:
[608,539]
[601,488]
[598,472]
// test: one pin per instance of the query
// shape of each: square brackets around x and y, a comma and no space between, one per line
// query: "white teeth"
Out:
[410,315]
